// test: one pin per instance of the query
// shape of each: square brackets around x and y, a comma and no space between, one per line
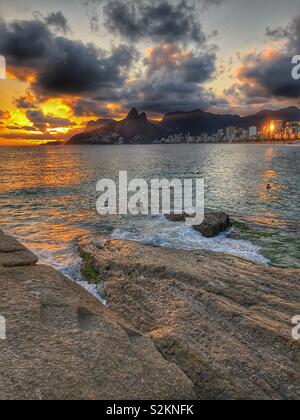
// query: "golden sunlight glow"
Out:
[112,107]
[57,107]
[18,117]
[269,53]
[31,78]
[58,130]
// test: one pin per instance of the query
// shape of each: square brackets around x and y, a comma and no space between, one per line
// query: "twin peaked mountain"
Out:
[134,129]
[137,129]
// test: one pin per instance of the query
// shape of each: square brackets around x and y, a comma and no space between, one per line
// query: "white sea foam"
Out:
[92,289]
[153,231]
[68,263]
[160,232]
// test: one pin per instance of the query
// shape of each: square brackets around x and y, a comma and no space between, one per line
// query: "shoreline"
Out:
[252,142]
[268,142]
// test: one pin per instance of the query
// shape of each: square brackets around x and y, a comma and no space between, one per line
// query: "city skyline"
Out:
[76,61]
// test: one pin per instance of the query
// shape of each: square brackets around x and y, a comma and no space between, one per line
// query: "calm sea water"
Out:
[48,197]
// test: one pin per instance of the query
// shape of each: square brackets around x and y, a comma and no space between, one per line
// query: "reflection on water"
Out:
[47,196]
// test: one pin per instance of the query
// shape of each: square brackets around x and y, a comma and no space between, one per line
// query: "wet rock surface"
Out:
[63,344]
[13,254]
[224,321]
[214,223]
[176,217]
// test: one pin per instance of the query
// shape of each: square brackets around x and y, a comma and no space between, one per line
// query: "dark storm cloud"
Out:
[159,20]
[25,43]
[173,76]
[170,78]
[274,77]
[42,122]
[252,94]
[21,127]
[89,108]
[164,97]
[76,68]
[291,33]
[266,76]
[58,21]
[173,81]
[61,65]
[25,102]
[133,24]
[276,33]
[198,69]
[170,61]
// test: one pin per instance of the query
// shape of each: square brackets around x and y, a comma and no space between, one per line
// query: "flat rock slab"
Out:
[63,344]
[226,322]
[10,244]
[17,259]
[14,254]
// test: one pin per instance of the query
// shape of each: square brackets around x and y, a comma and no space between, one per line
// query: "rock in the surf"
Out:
[175,217]
[225,322]
[214,223]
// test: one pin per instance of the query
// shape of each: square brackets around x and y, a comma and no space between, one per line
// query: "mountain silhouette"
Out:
[134,129]
[198,121]
[93,125]
[137,129]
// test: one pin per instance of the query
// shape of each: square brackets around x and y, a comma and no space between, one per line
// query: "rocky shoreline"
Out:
[63,344]
[180,325]
[224,321]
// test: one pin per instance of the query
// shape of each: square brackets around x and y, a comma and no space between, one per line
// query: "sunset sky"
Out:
[72,61]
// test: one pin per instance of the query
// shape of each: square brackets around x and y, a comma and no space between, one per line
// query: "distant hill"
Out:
[93,125]
[137,129]
[198,122]
[260,119]
[134,129]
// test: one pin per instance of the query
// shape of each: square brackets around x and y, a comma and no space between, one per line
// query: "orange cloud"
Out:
[166,53]
[4,115]
[22,74]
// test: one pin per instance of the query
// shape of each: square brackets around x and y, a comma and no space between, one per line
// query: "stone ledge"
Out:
[14,254]
[226,322]
[63,344]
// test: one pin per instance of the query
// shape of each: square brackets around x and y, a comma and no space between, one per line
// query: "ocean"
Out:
[48,198]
